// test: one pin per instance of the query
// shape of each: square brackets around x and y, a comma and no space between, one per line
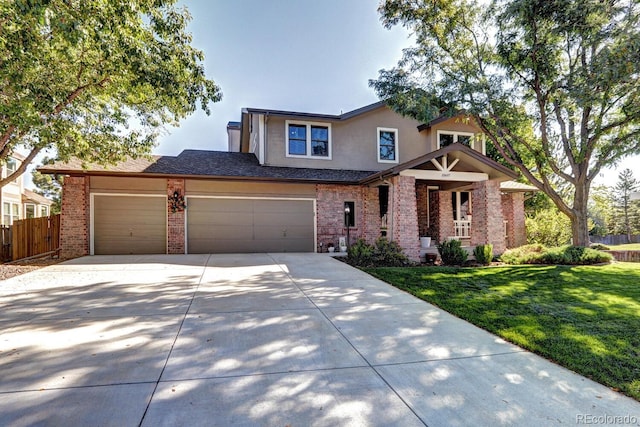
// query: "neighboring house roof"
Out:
[494,169]
[30,196]
[208,164]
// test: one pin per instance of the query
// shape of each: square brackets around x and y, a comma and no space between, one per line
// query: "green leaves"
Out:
[96,79]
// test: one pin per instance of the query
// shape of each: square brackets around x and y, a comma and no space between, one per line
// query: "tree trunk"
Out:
[579,222]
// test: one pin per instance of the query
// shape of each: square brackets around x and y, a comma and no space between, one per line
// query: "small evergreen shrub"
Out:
[483,254]
[564,255]
[360,253]
[452,253]
[383,254]
[389,254]
[599,247]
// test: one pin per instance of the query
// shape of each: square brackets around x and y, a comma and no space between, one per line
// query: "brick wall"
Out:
[371,214]
[404,223]
[175,220]
[330,213]
[74,221]
[422,194]
[442,215]
[513,212]
[488,221]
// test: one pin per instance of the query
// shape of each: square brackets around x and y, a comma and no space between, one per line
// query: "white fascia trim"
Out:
[397,143]
[92,215]
[308,125]
[261,138]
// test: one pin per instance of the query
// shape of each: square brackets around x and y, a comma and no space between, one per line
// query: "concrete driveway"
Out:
[263,339]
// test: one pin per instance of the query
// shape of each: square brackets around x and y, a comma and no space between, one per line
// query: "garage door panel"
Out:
[250,225]
[129,225]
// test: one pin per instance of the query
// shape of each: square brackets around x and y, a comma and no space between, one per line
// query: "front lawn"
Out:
[625,247]
[586,318]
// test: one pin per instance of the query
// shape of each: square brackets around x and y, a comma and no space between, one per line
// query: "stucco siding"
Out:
[354,142]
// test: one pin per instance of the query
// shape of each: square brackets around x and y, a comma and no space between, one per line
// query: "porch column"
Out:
[404,214]
[74,219]
[488,222]
[513,211]
[175,220]
[370,214]
[442,215]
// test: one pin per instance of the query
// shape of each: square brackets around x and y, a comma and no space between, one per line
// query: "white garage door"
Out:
[129,225]
[219,225]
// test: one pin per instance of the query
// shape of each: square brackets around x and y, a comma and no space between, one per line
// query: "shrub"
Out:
[483,254]
[389,254]
[452,253]
[360,253]
[599,247]
[549,227]
[565,255]
[384,254]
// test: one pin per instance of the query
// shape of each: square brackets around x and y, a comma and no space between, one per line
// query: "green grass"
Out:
[586,318]
[626,247]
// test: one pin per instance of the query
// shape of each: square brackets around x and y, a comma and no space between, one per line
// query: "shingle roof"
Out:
[30,196]
[201,163]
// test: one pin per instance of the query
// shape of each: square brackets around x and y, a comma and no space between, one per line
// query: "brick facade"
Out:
[175,220]
[404,215]
[330,213]
[513,211]
[488,221]
[422,193]
[74,220]
[442,215]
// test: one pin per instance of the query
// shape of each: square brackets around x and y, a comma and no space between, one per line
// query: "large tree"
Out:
[95,79]
[553,83]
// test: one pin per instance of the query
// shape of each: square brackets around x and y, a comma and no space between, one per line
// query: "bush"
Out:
[483,254]
[565,255]
[549,227]
[599,247]
[360,253]
[452,253]
[384,254]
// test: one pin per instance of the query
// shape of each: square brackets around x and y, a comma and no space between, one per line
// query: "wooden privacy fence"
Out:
[35,236]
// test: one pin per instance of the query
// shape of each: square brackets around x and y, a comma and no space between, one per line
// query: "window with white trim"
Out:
[387,145]
[10,213]
[309,140]
[44,210]
[29,210]
[466,138]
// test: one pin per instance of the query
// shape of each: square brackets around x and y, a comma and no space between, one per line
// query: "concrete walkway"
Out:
[263,339]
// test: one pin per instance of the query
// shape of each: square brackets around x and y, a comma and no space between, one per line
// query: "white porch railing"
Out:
[462,229]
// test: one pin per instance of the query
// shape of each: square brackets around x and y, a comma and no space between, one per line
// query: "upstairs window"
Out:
[447,138]
[387,145]
[311,140]
[44,210]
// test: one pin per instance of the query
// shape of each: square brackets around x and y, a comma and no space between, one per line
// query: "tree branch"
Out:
[22,168]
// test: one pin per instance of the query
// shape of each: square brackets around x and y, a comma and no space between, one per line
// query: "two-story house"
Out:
[18,202]
[296,182]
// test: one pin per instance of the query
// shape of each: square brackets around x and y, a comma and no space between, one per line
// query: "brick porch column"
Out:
[404,214]
[175,220]
[74,221]
[513,211]
[370,214]
[488,222]
[443,215]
